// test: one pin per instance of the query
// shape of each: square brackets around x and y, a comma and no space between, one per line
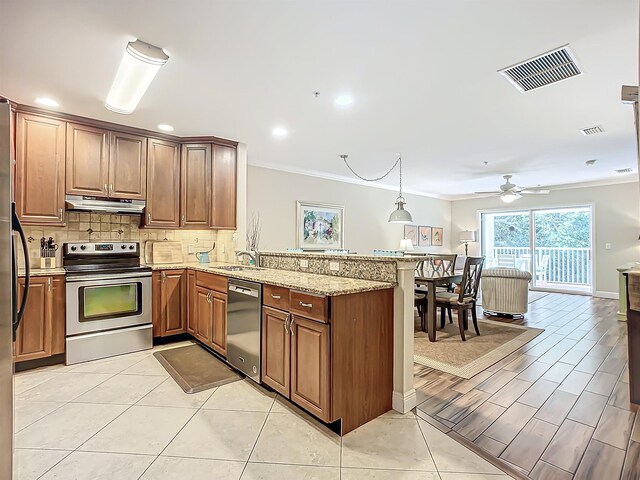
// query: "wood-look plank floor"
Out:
[558,407]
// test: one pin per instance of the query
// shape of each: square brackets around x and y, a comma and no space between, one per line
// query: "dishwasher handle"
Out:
[244,290]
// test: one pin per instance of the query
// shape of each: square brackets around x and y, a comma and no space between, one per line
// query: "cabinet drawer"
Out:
[277,297]
[309,305]
[212,282]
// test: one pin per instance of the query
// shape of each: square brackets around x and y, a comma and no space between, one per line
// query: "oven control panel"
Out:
[100,248]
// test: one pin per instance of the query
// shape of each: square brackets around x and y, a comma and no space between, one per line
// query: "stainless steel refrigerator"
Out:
[10,311]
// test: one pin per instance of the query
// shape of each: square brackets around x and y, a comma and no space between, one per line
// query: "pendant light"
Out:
[399,215]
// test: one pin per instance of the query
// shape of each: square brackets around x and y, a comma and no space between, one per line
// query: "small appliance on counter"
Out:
[108,300]
[48,253]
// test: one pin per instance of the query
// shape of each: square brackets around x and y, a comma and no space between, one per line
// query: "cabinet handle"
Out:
[110,188]
[286,323]
[291,325]
[105,189]
[307,305]
[49,284]
[164,275]
[148,218]
[209,297]
[61,213]
[182,219]
[275,297]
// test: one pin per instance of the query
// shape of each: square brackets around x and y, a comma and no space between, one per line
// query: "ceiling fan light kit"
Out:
[510,192]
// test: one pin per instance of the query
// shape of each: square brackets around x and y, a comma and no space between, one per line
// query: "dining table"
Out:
[432,278]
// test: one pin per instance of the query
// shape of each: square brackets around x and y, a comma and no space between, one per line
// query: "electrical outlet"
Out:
[304,263]
[334,266]
[607,246]
[222,248]
[191,249]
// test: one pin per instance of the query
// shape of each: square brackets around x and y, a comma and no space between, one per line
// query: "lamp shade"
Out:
[400,215]
[467,236]
[406,245]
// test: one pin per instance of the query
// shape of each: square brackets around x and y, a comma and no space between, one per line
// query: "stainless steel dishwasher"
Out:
[244,320]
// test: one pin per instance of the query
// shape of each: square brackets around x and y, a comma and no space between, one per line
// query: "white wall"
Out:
[616,214]
[273,194]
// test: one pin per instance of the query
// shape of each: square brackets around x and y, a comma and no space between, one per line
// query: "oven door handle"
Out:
[115,276]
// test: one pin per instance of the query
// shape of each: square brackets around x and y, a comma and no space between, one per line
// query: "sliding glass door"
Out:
[554,244]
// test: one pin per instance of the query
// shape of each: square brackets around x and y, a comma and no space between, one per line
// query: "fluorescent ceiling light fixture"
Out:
[344,100]
[165,128]
[279,132]
[47,102]
[138,68]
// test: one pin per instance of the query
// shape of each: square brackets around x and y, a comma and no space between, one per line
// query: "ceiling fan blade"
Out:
[488,193]
[529,191]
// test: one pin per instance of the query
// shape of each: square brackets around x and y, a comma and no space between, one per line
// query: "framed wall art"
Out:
[424,236]
[319,226]
[436,236]
[411,232]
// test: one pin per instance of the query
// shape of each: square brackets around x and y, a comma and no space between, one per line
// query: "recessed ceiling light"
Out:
[344,100]
[588,163]
[47,102]
[279,132]
[165,128]
[138,67]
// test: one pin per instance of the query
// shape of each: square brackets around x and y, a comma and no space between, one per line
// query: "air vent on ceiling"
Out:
[543,70]
[592,130]
[624,170]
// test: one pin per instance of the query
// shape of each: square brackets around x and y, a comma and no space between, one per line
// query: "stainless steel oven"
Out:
[108,300]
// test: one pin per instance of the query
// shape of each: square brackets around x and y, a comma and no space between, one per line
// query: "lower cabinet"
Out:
[169,302]
[211,318]
[42,330]
[191,306]
[296,360]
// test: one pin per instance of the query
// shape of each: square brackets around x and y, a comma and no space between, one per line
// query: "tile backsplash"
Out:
[95,227]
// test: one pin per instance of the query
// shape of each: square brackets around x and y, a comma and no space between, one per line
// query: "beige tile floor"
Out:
[124,418]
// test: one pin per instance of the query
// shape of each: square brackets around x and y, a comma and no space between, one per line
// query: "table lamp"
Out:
[406,245]
[467,236]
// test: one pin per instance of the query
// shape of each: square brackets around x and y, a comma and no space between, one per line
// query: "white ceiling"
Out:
[422,74]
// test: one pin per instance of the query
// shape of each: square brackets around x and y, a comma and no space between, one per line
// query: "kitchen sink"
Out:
[237,268]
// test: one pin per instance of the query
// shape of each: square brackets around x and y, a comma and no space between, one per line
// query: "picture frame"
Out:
[319,226]
[411,233]
[424,236]
[436,236]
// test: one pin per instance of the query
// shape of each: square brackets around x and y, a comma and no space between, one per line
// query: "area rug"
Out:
[195,369]
[465,359]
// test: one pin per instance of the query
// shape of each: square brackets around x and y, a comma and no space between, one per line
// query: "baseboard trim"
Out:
[404,403]
[604,294]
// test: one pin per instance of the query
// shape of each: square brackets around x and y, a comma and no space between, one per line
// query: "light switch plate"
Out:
[304,263]
[191,248]
[607,246]
[222,248]
[334,266]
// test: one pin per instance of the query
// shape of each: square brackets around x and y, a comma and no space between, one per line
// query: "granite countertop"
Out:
[307,282]
[634,288]
[343,256]
[42,272]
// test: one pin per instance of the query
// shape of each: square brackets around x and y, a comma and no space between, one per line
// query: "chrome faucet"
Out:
[252,255]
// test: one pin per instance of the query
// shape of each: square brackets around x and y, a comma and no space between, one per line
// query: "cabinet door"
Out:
[87,160]
[310,366]
[156,303]
[195,204]
[163,184]
[40,169]
[128,166]
[173,298]
[191,305]
[204,314]
[276,350]
[224,187]
[58,314]
[33,338]
[219,329]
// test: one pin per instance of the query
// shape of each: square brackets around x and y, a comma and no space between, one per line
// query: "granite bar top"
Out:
[42,272]
[344,256]
[308,282]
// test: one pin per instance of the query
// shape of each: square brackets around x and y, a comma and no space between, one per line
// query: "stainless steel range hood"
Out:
[99,204]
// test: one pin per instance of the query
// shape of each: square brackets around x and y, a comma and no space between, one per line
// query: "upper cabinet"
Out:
[163,184]
[224,187]
[195,203]
[105,164]
[40,169]
[128,166]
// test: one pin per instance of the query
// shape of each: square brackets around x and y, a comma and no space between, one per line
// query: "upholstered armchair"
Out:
[505,291]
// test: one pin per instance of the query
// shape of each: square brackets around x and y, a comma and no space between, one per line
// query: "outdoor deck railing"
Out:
[565,265]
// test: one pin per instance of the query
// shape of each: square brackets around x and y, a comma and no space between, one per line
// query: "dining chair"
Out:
[465,299]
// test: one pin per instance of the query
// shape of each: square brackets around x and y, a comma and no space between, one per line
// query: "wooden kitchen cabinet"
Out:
[219,329]
[191,305]
[224,188]
[169,303]
[163,184]
[310,366]
[87,162]
[276,348]
[40,169]
[211,311]
[204,314]
[195,201]
[42,329]
[127,166]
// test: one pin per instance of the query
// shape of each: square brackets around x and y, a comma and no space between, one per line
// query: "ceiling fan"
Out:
[510,192]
